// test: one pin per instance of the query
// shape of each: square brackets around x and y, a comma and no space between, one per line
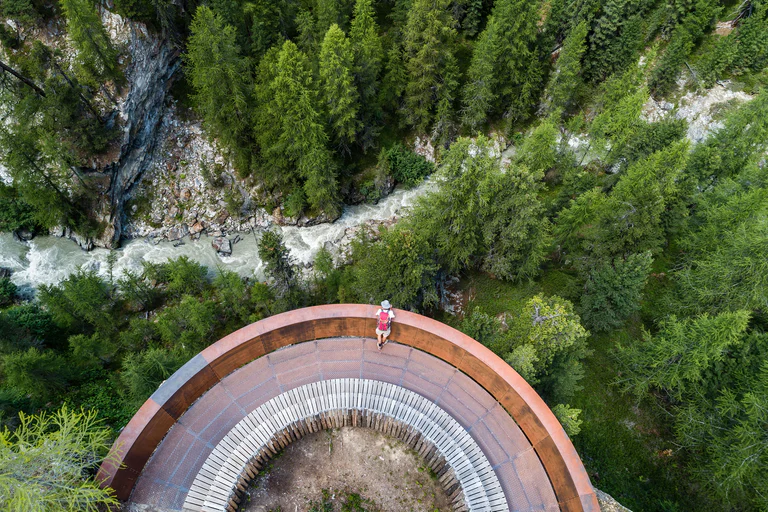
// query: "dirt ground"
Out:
[330,466]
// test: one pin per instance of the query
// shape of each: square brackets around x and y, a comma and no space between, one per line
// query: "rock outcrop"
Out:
[152,67]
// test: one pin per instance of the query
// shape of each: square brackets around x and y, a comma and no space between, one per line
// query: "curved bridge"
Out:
[492,439]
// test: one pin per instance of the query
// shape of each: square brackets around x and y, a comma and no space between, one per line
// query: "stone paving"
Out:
[166,478]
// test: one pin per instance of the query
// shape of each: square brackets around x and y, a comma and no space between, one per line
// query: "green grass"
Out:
[494,296]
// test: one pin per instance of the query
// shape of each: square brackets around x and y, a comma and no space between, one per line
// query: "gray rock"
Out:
[23,235]
[178,232]
[222,246]
[197,228]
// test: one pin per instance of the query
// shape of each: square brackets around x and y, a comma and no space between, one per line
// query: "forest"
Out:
[626,278]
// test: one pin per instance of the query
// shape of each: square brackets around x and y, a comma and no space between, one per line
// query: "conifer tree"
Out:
[220,78]
[330,12]
[49,461]
[265,29]
[676,358]
[394,80]
[368,63]
[566,80]
[613,289]
[518,69]
[480,95]
[339,95]
[290,130]
[505,74]
[97,58]
[429,40]
[614,39]
[515,228]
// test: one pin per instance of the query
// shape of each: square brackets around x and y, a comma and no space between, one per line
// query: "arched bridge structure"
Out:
[209,428]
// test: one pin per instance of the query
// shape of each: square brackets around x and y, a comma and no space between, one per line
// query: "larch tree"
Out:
[516,229]
[429,42]
[96,56]
[676,358]
[221,81]
[46,461]
[338,93]
[368,63]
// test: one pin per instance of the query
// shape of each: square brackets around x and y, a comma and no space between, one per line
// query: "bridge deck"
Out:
[165,481]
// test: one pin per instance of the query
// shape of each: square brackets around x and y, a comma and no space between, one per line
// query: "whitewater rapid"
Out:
[49,260]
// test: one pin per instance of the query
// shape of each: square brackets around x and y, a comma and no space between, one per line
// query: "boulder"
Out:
[178,232]
[24,235]
[197,228]
[222,246]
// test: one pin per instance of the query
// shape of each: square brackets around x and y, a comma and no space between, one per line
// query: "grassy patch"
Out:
[494,296]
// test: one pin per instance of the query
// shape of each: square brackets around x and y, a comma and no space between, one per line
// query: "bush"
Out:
[404,165]
[7,292]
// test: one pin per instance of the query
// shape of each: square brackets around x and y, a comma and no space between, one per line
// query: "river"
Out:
[49,260]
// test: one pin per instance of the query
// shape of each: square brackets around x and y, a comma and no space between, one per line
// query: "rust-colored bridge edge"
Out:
[145,431]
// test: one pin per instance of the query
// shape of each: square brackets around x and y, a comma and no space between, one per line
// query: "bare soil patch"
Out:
[346,470]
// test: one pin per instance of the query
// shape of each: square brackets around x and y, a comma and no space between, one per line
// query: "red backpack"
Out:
[384,320]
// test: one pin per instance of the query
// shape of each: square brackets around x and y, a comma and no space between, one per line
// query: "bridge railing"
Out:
[139,439]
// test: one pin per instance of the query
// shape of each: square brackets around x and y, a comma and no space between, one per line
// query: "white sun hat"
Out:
[385,304]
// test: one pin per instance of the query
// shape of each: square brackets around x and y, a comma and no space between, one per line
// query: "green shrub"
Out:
[404,165]
[7,292]
[295,202]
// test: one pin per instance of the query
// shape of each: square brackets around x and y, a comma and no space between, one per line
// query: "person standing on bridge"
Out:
[384,318]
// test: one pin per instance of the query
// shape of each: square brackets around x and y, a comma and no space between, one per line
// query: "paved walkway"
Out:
[170,472]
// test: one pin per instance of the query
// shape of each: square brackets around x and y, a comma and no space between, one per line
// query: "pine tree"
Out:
[429,41]
[613,289]
[290,130]
[368,63]
[518,69]
[566,80]
[339,95]
[480,95]
[97,58]
[220,78]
